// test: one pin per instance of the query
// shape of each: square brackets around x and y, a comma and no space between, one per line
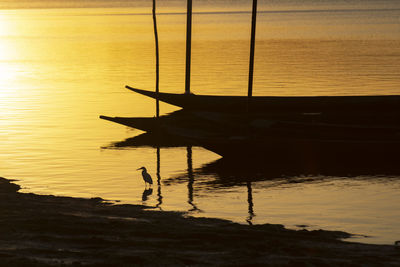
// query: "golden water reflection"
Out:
[61,68]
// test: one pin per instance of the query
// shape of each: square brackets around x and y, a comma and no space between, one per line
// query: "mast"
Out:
[157,60]
[252,45]
[188,45]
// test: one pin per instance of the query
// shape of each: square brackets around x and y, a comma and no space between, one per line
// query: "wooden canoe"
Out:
[288,141]
[375,103]
[178,118]
[140,123]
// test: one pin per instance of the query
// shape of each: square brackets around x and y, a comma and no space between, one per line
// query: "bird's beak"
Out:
[139,169]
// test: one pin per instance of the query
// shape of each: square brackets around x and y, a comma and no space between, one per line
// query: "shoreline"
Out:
[45,230]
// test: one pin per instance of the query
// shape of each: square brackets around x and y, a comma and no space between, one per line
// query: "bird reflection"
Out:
[250,202]
[191,180]
[146,193]
[159,196]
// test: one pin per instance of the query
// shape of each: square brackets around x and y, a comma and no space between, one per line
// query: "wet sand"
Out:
[40,230]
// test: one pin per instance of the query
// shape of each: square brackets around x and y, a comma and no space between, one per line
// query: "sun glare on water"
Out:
[8,56]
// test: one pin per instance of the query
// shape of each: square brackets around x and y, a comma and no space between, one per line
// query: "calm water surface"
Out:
[61,68]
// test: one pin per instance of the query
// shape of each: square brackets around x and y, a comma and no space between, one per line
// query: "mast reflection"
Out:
[191,179]
[159,196]
[251,204]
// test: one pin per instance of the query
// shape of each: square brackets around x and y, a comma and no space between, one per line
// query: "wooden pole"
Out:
[252,45]
[188,45]
[157,59]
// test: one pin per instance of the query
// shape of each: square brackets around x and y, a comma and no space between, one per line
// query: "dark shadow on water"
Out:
[227,172]
[146,193]
[266,165]
[230,172]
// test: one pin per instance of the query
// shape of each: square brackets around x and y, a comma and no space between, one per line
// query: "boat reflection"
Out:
[225,173]
[231,173]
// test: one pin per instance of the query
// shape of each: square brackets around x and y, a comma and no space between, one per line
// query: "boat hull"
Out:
[379,103]
[308,152]
[140,123]
[309,145]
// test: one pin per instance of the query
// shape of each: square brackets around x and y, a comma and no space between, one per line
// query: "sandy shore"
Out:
[41,230]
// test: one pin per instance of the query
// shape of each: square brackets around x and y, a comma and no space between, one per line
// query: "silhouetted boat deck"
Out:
[157,125]
[377,103]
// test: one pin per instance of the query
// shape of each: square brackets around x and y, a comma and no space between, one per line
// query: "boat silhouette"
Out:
[286,104]
[357,129]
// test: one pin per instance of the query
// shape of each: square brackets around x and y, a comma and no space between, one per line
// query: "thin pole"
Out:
[157,59]
[252,45]
[188,45]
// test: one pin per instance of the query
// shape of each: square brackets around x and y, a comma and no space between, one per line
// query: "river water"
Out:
[60,68]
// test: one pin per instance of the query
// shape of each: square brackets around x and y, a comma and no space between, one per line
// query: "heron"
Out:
[146,176]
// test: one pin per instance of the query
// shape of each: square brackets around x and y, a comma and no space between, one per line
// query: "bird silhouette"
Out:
[146,176]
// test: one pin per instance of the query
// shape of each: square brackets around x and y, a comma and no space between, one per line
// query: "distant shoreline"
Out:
[40,230]
[218,9]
